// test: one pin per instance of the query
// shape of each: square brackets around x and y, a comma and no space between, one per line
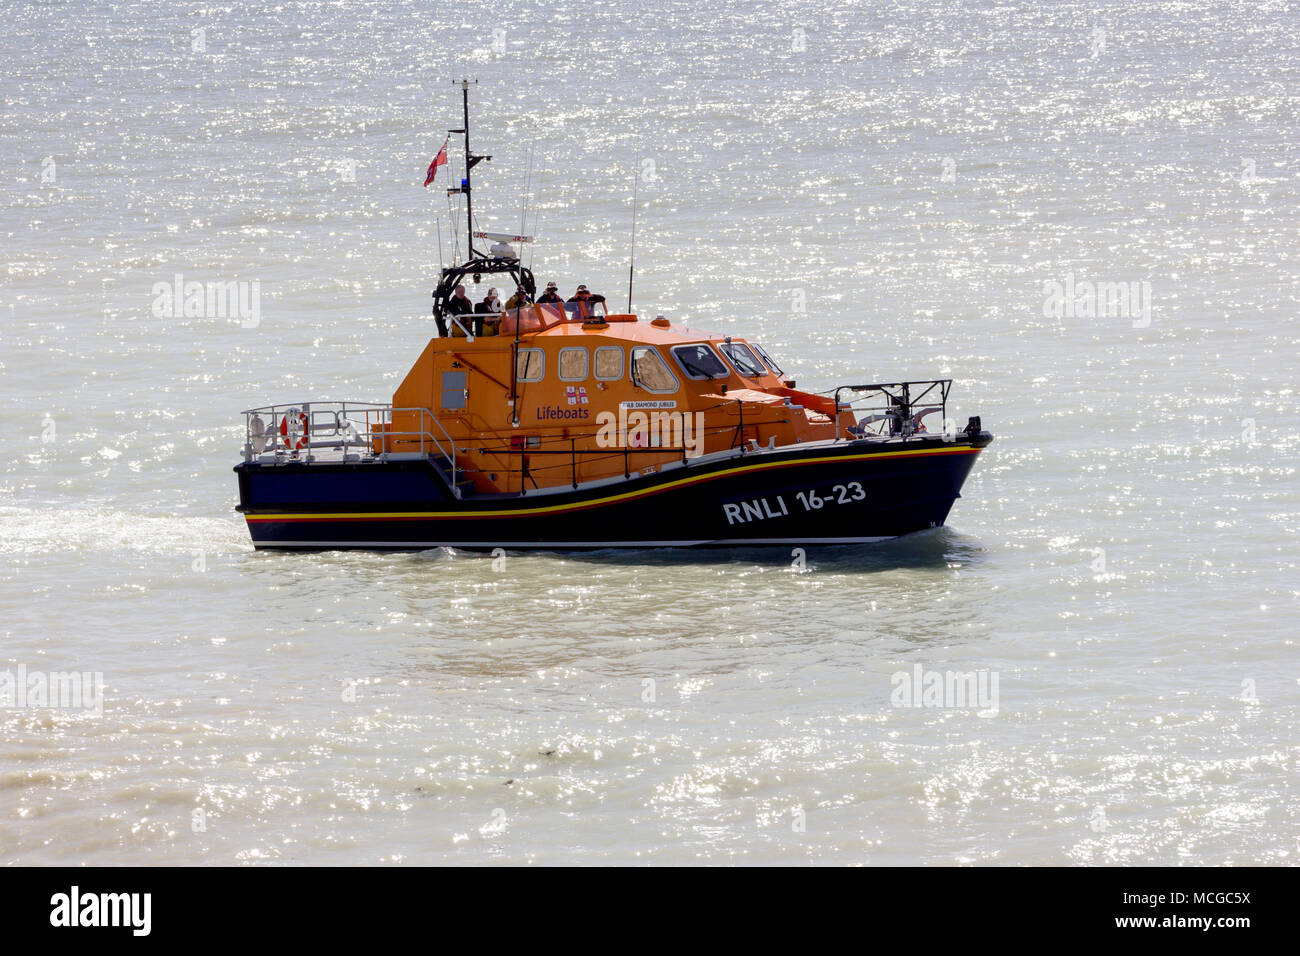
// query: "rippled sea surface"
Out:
[873,191]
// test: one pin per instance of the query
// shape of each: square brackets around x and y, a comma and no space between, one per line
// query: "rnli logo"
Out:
[576,395]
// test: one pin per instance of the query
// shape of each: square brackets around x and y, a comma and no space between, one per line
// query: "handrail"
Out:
[455,320]
[572,453]
[290,429]
[450,458]
[560,434]
[275,434]
[899,405]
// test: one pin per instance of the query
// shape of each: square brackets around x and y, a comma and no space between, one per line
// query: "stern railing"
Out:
[294,433]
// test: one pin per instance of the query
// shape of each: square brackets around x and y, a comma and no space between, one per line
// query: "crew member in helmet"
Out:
[550,295]
[487,317]
[519,298]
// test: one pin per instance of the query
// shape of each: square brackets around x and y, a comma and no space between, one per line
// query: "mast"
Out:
[470,162]
[477,261]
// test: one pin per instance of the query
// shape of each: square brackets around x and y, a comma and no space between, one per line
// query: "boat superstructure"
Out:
[567,425]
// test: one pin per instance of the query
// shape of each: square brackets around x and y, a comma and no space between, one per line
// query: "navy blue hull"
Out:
[844,493]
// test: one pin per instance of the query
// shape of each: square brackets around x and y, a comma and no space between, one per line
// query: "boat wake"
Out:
[50,529]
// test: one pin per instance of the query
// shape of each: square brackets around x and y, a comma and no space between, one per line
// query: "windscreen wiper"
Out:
[692,369]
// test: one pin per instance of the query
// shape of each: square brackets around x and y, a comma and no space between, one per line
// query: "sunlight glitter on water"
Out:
[1124,556]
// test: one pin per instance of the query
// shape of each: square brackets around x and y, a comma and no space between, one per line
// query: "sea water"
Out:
[1084,214]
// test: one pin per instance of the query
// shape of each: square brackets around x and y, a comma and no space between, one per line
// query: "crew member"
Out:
[583,295]
[487,318]
[585,300]
[459,303]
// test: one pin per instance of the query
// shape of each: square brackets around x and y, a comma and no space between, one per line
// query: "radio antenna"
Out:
[526,198]
[631,259]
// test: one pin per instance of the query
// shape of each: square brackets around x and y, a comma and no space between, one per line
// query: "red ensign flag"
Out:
[439,160]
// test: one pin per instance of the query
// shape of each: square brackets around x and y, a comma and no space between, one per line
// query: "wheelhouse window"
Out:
[699,362]
[609,363]
[530,365]
[651,372]
[762,352]
[746,362]
[573,365]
